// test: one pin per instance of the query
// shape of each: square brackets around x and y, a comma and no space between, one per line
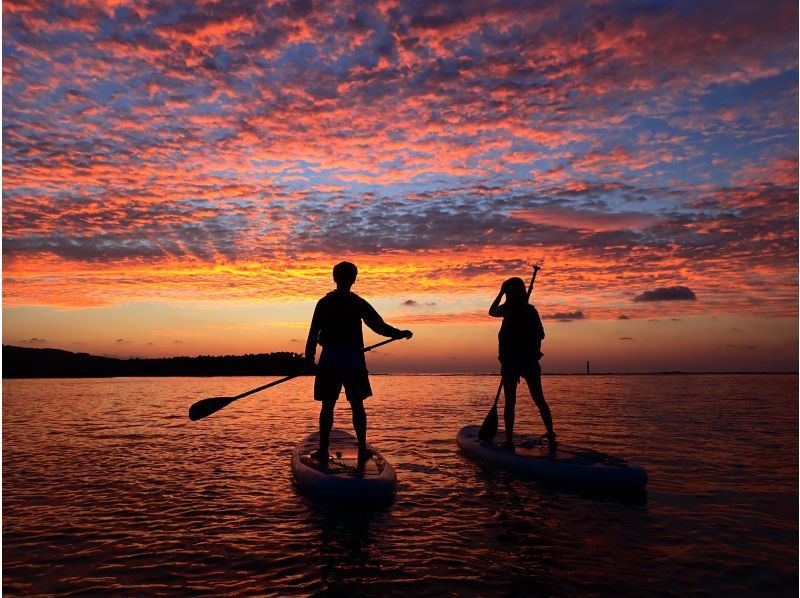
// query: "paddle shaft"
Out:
[497,396]
[286,378]
[533,279]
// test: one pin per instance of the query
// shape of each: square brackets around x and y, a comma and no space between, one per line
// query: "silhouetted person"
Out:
[520,350]
[336,326]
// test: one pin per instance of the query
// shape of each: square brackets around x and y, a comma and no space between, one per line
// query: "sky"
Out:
[179,178]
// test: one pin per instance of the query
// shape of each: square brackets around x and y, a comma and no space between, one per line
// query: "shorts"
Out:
[342,367]
[520,368]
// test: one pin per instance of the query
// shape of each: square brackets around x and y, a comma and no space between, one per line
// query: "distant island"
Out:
[24,362]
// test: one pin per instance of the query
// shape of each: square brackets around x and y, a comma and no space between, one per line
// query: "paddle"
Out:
[489,426]
[211,405]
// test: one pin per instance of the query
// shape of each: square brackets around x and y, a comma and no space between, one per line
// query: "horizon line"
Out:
[373,373]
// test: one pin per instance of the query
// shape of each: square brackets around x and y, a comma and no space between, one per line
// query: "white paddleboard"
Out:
[569,465]
[343,479]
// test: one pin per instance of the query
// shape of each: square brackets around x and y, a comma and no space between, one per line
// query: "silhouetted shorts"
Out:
[520,368]
[342,367]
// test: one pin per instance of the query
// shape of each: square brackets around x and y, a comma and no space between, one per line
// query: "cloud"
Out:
[623,144]
[564,316]
[122,340]
[626,338]
[595,220]
[678,293]
[32,341]
[623,317]
[410,303]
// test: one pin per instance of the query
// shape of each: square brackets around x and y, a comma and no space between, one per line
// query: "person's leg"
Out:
[325,424]
[534,380]
[357,389]
[326,390]
[510,394]
[359,423]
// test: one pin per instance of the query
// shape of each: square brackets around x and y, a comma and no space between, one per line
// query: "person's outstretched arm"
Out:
[495,310]
[375,322]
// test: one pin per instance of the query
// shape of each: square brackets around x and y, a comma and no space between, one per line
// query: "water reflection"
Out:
[106,490]
[348,538]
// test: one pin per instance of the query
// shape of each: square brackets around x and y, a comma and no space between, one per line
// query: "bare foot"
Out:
[321,455]
[364,455]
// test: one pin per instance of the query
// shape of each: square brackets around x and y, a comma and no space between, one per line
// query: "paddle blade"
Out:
[206,407]
[489,427]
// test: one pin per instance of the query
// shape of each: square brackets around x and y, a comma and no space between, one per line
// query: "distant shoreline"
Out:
[373,374]
[28,363]
[385,374]
[24,362]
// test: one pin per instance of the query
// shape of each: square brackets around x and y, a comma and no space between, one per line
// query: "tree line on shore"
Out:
[25,362]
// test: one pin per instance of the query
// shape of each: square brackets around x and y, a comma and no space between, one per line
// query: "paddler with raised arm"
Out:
[520,341]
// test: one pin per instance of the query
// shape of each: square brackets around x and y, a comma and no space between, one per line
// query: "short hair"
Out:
[345,272]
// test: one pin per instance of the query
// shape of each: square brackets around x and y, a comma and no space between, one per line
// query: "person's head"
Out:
[515,290]
[344,274]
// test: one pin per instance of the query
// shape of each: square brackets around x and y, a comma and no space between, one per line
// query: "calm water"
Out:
[108,488]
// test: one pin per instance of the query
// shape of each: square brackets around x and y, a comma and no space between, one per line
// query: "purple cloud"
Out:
[564,316]
[678,293]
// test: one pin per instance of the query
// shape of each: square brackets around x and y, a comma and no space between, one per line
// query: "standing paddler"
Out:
[520,341]
[336,326]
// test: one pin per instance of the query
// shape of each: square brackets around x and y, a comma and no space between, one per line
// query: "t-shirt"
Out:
[521,333]
[337,321]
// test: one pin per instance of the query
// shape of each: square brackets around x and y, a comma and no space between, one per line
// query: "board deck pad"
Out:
[540,448]
[343,458]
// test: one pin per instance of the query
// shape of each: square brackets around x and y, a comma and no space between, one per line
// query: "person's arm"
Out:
[537,324]
[495,310]
[313,335]
[375,322]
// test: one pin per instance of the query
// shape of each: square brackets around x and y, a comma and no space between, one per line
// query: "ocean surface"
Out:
[109,489]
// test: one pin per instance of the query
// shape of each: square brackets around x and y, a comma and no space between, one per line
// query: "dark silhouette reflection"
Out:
[348,547]
[514,525]
[520,342]
[336,326]
[619,495]
[535,528]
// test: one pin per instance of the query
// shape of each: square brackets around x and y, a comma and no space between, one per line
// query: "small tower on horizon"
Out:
[587,368]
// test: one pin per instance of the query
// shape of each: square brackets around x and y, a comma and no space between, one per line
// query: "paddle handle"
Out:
[533,279]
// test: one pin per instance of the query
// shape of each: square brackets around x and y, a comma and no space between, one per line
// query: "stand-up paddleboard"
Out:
[343,478]
[566,464]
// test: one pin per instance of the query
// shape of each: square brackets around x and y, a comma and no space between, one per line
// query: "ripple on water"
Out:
[120,494]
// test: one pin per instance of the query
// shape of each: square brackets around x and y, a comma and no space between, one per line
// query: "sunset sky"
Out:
[180,177]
